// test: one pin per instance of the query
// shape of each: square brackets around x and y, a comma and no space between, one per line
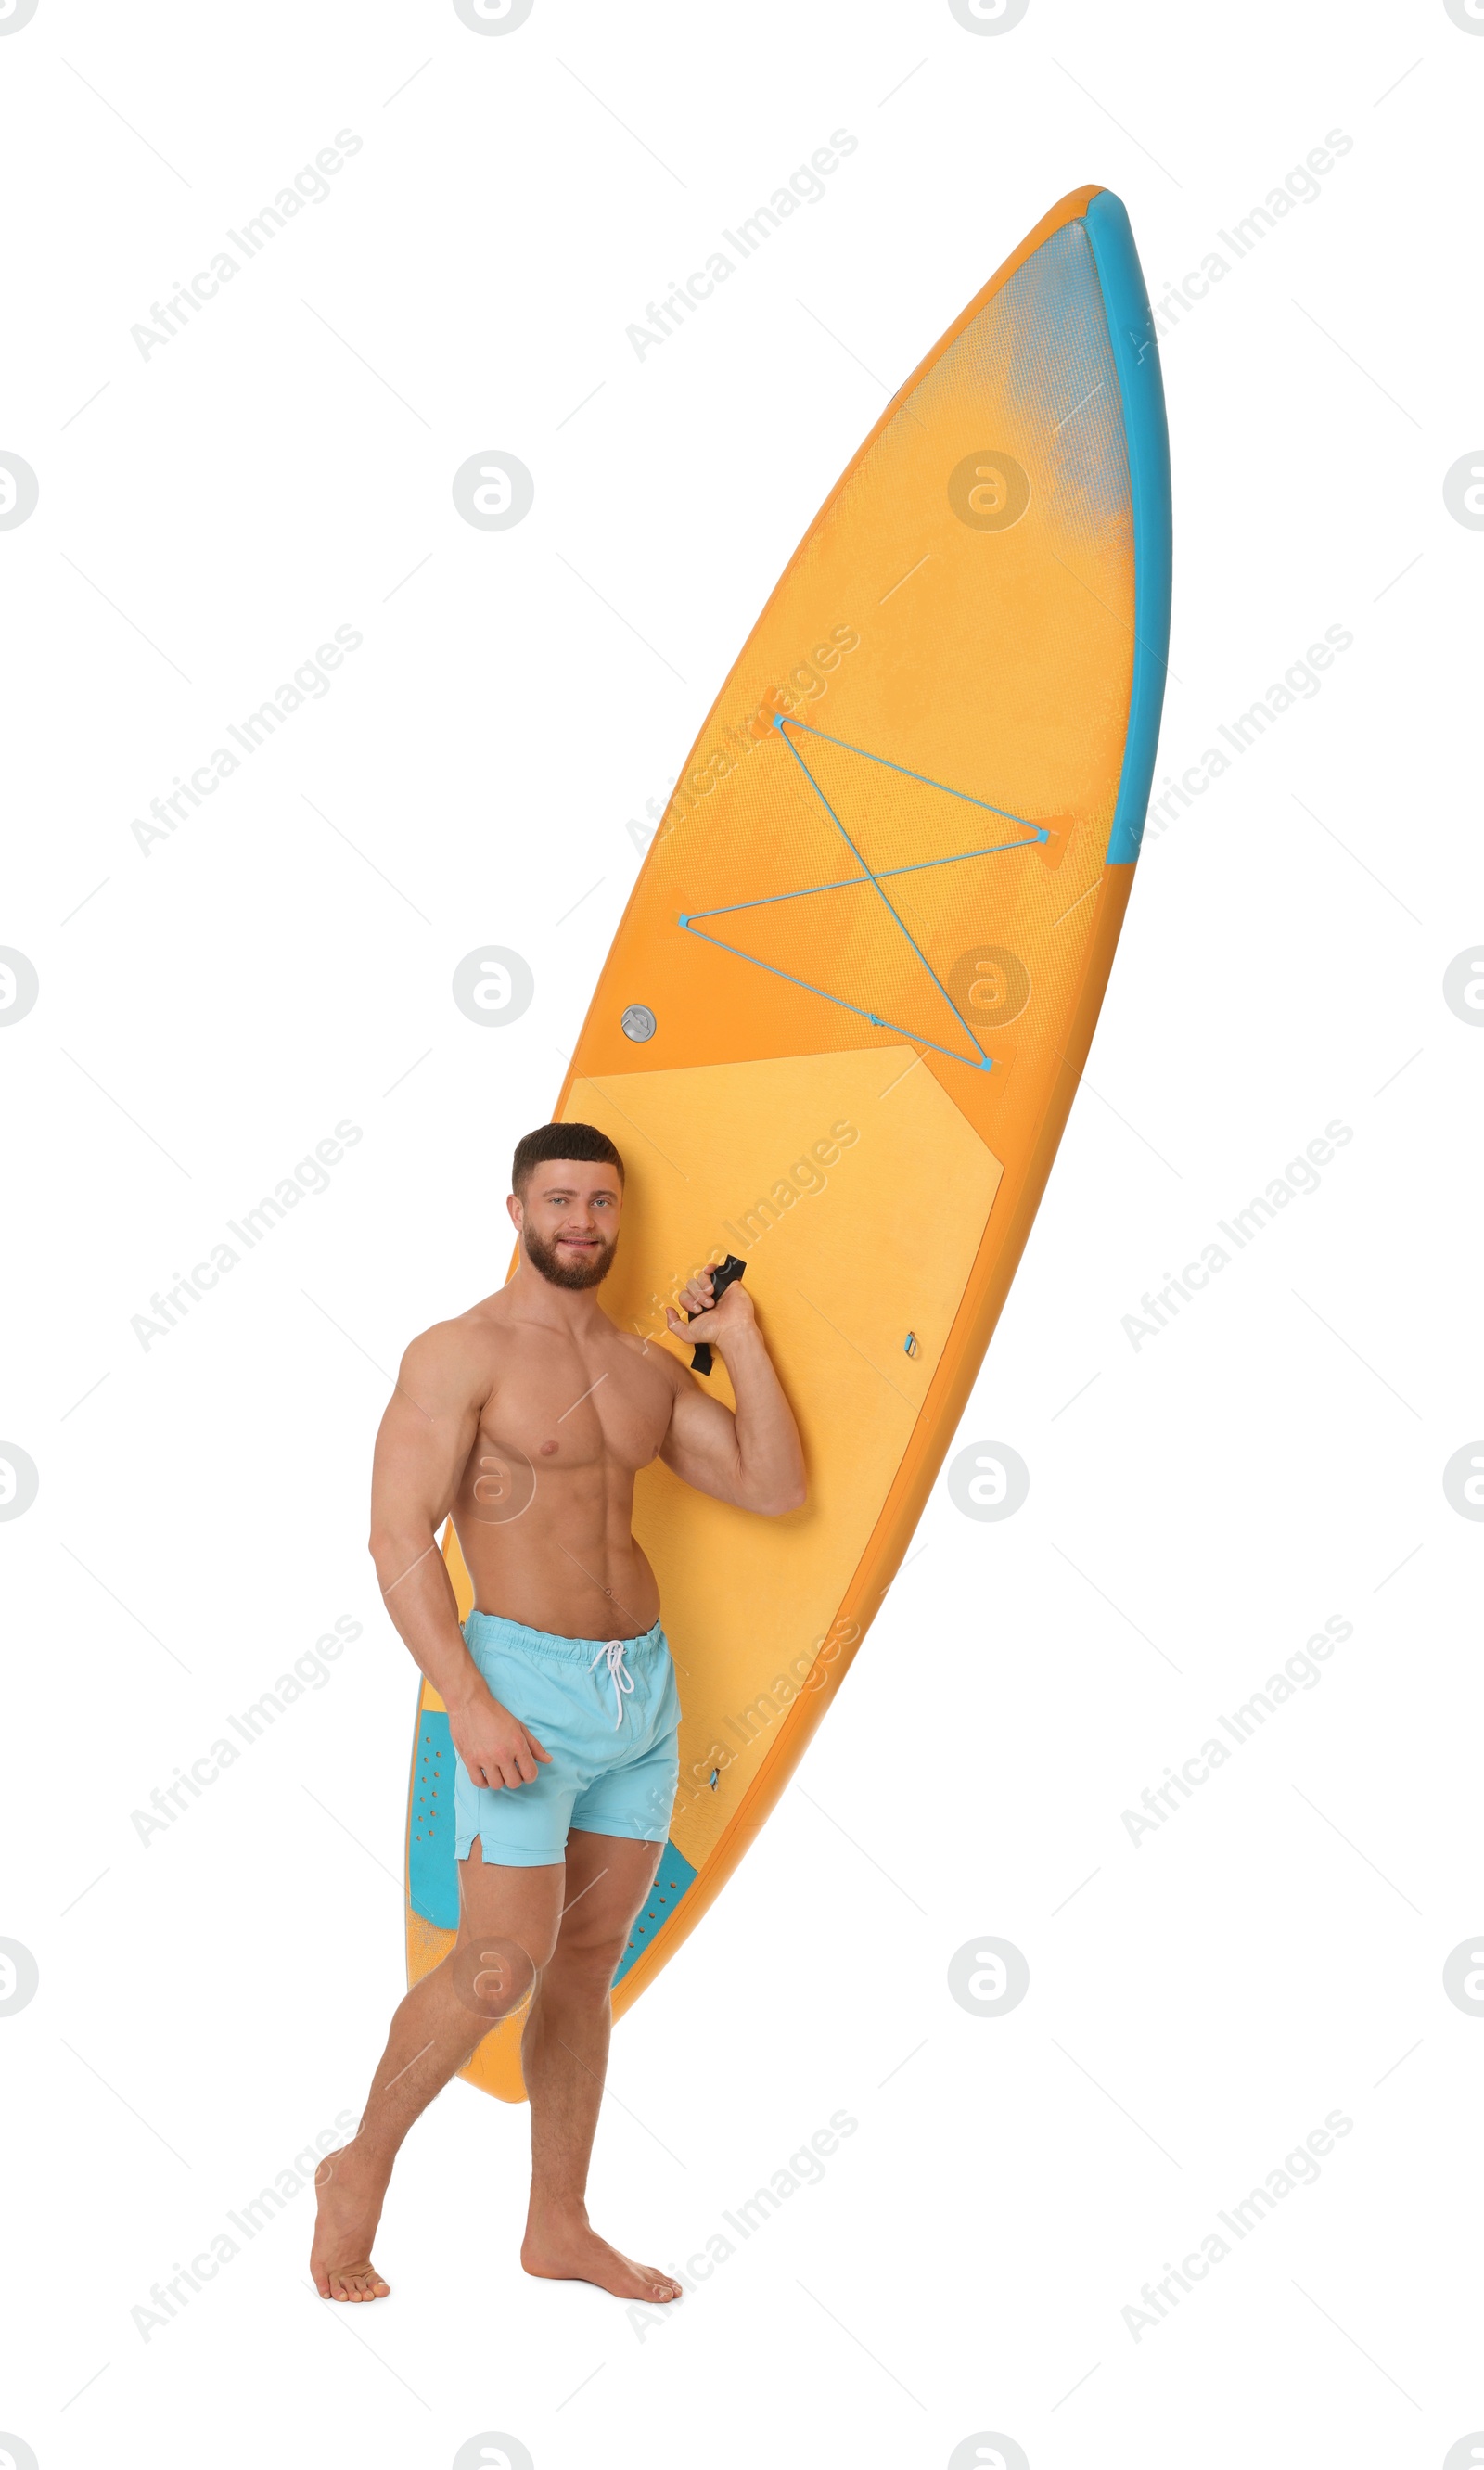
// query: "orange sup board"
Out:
[845,1013]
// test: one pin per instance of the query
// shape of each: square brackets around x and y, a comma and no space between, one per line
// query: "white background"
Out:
[1198,1505]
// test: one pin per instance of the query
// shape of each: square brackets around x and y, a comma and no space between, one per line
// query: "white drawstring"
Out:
[618,1672]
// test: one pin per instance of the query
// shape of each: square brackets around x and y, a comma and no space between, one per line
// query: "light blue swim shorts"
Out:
[608,1712]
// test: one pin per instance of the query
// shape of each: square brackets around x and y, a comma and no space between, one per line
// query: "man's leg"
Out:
[564,2056]
[507,1930]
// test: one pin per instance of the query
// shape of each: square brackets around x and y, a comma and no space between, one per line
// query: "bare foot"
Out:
[564,2247]
[350,2206]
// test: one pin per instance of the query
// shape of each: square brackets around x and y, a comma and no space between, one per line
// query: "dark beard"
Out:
[543,1257]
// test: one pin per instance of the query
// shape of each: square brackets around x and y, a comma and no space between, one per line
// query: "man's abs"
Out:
[558,1568]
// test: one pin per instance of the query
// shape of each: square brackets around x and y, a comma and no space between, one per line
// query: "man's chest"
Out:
[563,1409]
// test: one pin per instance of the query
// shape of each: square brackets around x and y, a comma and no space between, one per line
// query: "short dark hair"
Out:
[561,1141]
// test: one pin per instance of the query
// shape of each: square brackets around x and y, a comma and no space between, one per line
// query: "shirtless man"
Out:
[527,1420]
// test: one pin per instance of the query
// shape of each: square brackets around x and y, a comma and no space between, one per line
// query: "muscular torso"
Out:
[544,1504]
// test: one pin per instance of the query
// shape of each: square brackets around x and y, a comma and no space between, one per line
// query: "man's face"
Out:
[568,1221]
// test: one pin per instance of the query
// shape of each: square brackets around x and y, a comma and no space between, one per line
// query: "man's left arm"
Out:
[754,1458]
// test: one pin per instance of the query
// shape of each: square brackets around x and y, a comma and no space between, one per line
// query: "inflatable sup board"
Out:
[845,1013]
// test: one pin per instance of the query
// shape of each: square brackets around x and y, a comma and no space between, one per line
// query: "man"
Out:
[527,1420]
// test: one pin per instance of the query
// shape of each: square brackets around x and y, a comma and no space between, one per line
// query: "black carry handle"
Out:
[730,1269]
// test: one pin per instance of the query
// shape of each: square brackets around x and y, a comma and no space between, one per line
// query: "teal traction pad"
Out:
[433,1862]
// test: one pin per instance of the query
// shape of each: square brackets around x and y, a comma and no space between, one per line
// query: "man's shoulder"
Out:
[471,1340]
[648,1350]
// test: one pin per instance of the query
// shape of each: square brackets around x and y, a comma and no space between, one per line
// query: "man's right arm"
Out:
[421,1452]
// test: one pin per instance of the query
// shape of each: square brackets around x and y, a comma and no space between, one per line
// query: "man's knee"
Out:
[589,1951]
[491,1974]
